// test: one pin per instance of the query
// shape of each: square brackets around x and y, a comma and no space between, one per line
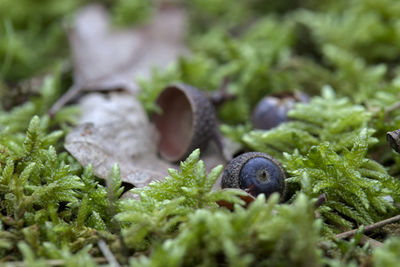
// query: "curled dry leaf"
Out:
[115,129]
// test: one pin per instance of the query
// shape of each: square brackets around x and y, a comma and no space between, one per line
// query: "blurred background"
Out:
[250,48]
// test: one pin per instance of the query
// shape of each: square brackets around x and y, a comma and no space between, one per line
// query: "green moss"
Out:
[53,208]
[265,234]
[163,205]
[325,150]
[388,254]
[34,37]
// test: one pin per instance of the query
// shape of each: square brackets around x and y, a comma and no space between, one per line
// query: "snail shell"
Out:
[187,121]
[256,173]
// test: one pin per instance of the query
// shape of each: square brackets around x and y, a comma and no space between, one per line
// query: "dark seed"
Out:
[272,110]
[256,173]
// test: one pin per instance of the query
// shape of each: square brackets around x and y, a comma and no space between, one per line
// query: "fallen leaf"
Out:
[115,129]
[105,58]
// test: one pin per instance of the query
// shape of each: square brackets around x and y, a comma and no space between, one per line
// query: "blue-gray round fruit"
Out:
[255,172]
[272,110]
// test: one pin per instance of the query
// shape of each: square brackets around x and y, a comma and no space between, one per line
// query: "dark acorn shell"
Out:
[256,173]
[187,121]
[393,139]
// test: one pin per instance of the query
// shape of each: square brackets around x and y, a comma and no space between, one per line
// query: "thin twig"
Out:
[369,228]
[373,243]
[108,254]
[72,92]
[222,95]
[392,107]
[58,262]
[81,85]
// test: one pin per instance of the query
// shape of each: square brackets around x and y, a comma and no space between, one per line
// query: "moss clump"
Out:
[51,208]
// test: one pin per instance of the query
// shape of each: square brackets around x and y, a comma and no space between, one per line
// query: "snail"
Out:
[256,173]
[272,110]
[187,121]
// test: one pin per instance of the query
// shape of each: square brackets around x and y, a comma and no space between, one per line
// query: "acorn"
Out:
[271,111]
[187,121]
[256,173]
[393,139]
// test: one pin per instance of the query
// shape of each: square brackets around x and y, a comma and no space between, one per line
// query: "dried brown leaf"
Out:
[105,58]
[115,129]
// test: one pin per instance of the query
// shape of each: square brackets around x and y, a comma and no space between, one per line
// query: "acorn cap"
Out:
[232,173]
[393,139]
[187,121]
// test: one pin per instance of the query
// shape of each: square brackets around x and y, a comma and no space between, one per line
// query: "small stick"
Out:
[79,86]
[108,254]
[72,92]
[222,95]
[373,243]
[369,228]
[57,262]
[393,107]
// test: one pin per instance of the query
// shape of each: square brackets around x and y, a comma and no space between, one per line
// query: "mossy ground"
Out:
[344,54]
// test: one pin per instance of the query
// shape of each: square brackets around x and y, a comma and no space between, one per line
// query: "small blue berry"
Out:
[261,175]
[272,110]
[256,173]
